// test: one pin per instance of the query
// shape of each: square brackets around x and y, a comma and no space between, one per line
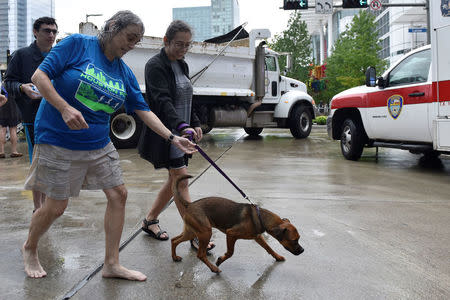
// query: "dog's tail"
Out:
[176,194]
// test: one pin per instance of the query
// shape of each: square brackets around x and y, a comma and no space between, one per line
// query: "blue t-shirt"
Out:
[88,81]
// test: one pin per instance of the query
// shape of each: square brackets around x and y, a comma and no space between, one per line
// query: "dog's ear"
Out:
[286,219]
[278,233]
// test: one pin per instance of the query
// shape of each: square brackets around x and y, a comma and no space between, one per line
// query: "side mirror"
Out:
[371,77]
[288,62]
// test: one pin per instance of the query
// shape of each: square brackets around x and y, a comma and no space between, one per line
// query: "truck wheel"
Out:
[352,142]
[253,131]
[300,122]
[433,154]
[206,128]
[124,130]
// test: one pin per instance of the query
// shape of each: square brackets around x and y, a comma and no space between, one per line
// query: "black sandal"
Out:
[151,233]
[193,246]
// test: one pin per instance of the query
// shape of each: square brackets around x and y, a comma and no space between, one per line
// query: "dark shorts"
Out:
[178,163]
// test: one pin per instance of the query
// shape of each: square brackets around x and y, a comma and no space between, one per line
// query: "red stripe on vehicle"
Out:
[410,95]
[353,100]
[444,91]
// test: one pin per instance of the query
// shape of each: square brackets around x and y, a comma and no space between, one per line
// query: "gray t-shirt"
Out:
[183,102]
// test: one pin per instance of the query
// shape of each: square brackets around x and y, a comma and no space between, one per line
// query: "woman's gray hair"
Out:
[177,26]
[118,22]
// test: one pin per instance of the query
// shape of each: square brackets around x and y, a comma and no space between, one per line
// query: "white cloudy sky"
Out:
[157,14]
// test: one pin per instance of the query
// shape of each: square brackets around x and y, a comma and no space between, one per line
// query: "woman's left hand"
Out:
[199,132]
[184,144]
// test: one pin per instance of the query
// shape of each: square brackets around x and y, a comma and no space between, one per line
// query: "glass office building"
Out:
[199,18]
[16,22]
[210,21]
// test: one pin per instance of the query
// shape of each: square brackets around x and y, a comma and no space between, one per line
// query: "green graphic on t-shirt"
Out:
[85,93]
[98,91]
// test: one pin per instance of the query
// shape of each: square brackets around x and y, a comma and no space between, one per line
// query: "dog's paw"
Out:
[280,258]
[177,258]
[219,261]
[215,270]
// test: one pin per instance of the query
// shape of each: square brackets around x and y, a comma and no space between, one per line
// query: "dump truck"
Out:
[236,83]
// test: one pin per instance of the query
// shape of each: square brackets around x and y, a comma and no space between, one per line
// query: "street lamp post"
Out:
[92,15]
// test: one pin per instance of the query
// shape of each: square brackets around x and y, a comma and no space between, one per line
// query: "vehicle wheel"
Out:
[433,154]
[300,122]
[124,130]
[206,128]
[253,131]
[352,140]
[203,113]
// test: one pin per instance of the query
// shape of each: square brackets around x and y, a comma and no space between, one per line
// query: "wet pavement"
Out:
[371,229]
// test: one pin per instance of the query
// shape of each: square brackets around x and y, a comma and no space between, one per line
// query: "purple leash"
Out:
[190,137]
[231,181]
[221,172]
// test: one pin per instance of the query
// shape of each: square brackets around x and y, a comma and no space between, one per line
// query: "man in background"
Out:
[22,66]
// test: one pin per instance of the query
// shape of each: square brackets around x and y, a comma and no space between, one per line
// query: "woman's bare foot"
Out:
[117,271]
[32,265]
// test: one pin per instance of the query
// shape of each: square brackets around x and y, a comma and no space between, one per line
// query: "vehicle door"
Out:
[399,111]
[271,82]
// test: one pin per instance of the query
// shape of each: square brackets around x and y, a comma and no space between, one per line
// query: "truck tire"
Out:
[253,131]
[300,122]
[206,128]
[433,154]
[124,130]
[352,140]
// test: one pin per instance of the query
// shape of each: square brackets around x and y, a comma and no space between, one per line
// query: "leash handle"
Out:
[221,172]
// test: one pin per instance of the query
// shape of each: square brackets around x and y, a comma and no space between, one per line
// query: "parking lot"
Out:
[372,229]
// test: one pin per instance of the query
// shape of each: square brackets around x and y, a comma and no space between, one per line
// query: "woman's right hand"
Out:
[73,118]
[184,144]
[27,89]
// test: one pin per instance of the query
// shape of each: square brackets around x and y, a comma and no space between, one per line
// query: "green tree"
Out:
[355,50]
[295,40]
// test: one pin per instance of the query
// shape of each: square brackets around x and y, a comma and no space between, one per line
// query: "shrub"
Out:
[320,120]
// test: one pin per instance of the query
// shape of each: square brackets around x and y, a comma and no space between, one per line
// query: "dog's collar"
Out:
[259,217]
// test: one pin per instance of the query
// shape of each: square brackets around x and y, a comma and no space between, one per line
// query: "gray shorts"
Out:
[61,173]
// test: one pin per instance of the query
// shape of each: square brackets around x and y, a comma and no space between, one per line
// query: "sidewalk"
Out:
[371,230]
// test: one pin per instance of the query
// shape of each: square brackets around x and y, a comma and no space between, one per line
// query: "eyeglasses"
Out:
[181,45]
[48,31]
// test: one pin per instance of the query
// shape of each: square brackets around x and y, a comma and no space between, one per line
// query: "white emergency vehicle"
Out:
[408,107]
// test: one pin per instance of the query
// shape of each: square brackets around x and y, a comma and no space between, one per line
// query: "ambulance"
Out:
[408,107]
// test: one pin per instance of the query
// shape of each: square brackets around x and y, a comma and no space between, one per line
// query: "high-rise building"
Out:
[199,18]
[400,29]
[16,22]
[210,21]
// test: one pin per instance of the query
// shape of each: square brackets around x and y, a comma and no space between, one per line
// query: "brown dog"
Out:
[236,220]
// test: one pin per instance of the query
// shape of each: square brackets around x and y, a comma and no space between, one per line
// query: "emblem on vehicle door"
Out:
[394,105]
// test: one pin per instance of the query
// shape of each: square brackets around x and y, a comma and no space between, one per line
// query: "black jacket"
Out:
[160,88]
[23,63]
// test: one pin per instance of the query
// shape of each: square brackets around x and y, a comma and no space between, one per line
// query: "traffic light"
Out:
[295,4]
[354,3]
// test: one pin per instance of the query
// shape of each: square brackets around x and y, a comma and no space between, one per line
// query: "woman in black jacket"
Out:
[169,95]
